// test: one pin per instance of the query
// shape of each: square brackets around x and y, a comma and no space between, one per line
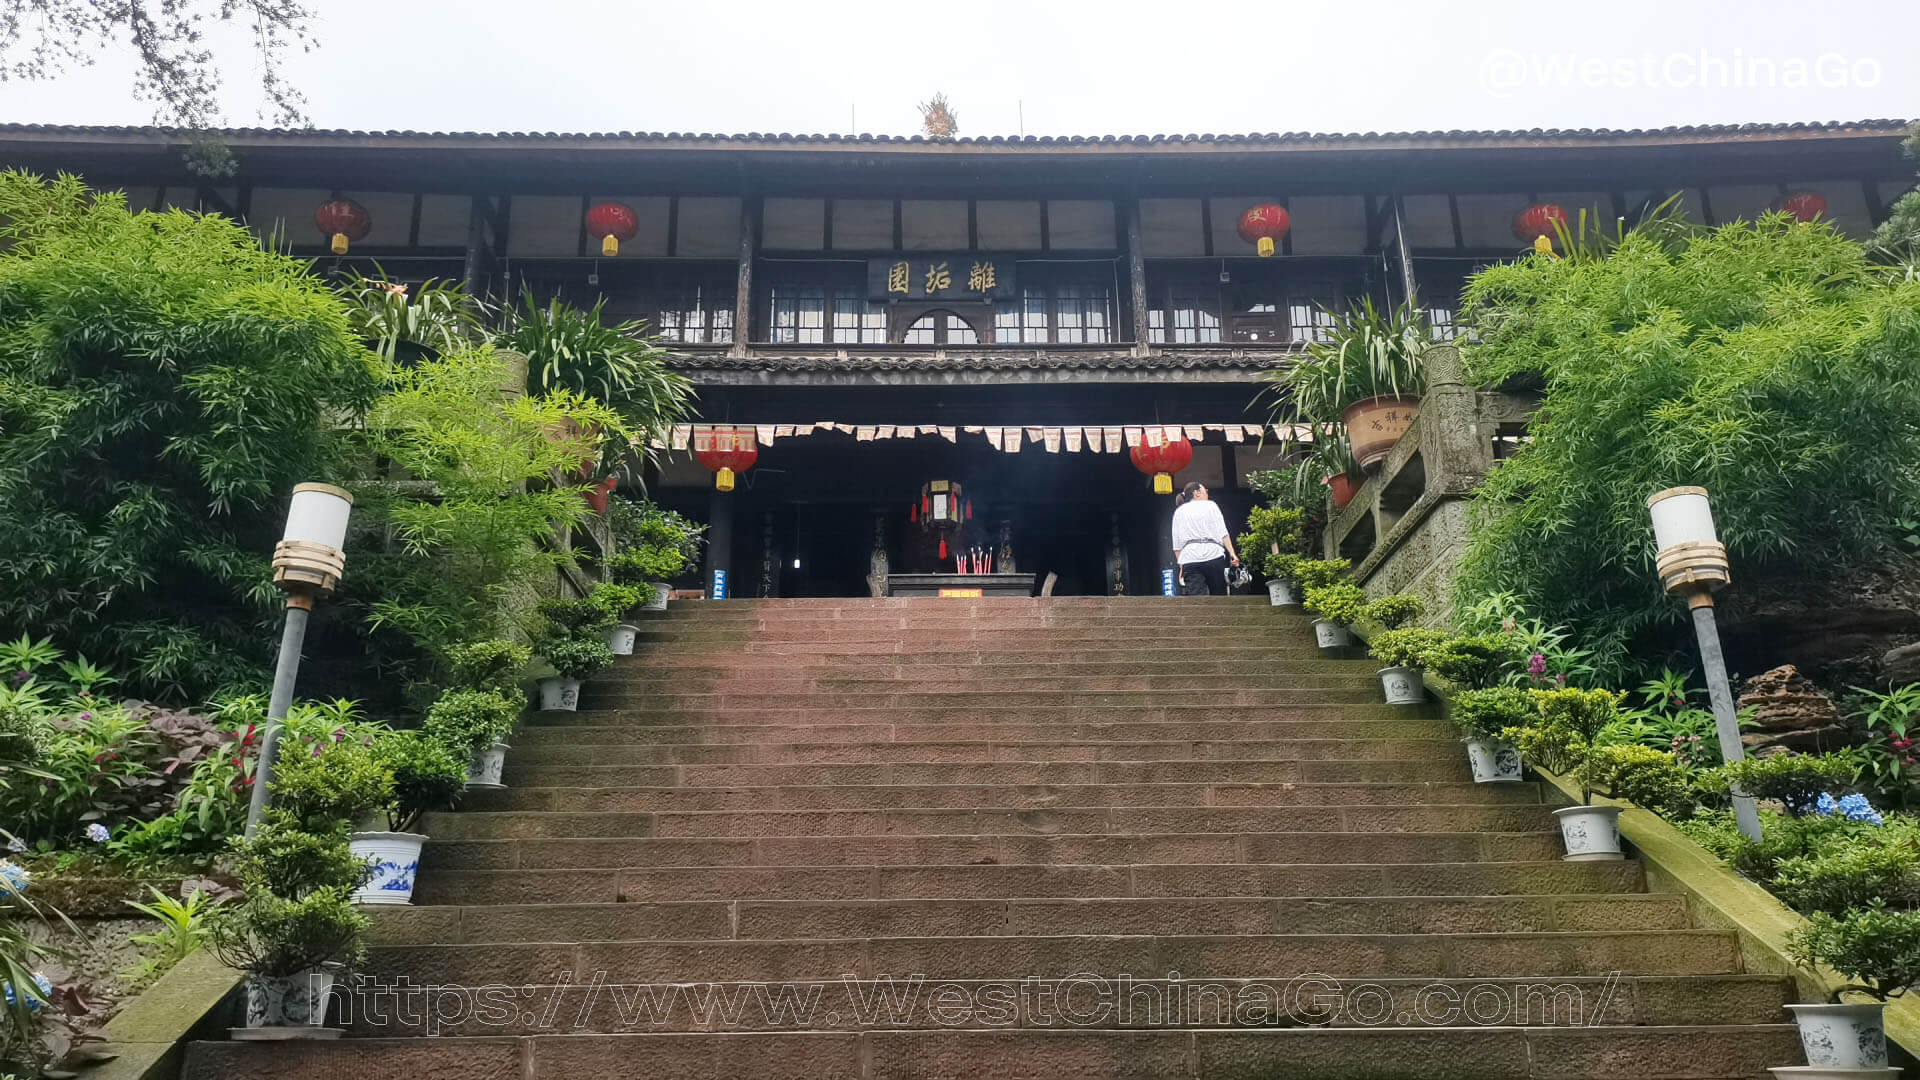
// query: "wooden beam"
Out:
[1137,274]
[743,274]
[478,257]
[1400,247]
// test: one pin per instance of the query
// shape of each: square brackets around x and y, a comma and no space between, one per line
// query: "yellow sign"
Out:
[961,592]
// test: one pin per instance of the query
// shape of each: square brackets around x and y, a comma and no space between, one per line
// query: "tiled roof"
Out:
[1117,359]
[642,138]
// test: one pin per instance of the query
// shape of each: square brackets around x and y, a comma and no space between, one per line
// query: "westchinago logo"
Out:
[1084,999]
[1506,72]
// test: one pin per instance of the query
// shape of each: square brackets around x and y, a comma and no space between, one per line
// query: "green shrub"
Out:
[1795,781]
[493,665]
[1639,774]
[578,658]
[1338,603]
[1488,714]
[1770,364]
[1269,546]
[1319,573]
[617,600]
[1411,647]
[323,782]
[166,381]
[427,775]
[287,858]
[1475,661]
[468,721]
[268,934]
[1876,948]
[1851,870]
[1394,610]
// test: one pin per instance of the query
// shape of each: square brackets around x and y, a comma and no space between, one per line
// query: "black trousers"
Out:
[1204,578]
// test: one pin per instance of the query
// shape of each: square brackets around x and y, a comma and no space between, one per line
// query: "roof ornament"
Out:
[938,119]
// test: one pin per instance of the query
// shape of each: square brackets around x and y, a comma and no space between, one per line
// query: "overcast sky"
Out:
[1052,67]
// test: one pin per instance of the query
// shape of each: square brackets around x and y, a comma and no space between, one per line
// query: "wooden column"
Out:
[474,272]
[1137,276]
[743,276]
[720,541]
[1400,246]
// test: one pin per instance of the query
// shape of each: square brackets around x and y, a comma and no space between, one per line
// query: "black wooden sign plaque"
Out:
[961,278]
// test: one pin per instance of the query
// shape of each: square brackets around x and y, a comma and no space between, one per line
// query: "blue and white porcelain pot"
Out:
[395,858]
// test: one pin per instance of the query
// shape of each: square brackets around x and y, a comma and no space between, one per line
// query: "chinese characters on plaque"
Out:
[961,278]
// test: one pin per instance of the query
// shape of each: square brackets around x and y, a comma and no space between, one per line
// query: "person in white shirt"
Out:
[1201,544]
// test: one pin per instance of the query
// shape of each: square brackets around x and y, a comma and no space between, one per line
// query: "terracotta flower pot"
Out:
[1341,486]
[597,495]
[1374,425]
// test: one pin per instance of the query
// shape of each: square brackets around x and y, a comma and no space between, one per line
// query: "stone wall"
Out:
[1406,528]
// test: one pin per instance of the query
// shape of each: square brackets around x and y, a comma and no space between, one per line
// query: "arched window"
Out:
[941,328]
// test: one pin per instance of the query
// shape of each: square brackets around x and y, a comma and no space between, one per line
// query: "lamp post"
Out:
[1692,562]
[307,563]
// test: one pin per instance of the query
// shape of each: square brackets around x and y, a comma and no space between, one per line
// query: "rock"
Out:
[1901,665]
[1835,626]
[1791,713]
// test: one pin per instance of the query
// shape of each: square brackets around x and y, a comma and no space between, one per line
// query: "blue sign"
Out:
[1168,583]
[719,590]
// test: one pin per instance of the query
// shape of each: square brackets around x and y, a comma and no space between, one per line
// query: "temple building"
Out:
[940,354]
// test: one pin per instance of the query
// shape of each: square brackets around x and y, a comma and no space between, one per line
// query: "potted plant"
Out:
[353,780]
[1315,573]
[473,725]
[1267,548]
[1403,649]
[297,929]
[1562,739]
[1366,373]
[572,639]
[1483,717]
[616,600]
[1878,950]
[651,547]
[1334,607]
[426,776]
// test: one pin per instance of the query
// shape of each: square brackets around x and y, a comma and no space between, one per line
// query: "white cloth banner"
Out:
[1195,433]
[766,434]
[1011,440]
[1072,437]
[950,434]
[1113,438]
[1052,437]
[993,437]
[1236,433]
[682,433]
[1133,436]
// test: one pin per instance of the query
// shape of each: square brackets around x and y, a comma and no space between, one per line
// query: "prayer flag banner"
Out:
[1195,432]
[1073,436]
[1052,438]
[766,434]
[1133,436]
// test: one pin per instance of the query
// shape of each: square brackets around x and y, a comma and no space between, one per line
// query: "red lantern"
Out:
[610,223]
[1263,226]
[1162,461]
[731,452]
[341,220]
[1803,205]
[1538,223]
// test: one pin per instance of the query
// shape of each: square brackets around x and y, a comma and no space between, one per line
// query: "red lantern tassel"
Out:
[913,515]
[926,504]
[969,509]
[943,547]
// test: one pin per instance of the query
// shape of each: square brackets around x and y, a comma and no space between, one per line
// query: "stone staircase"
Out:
[1018,838]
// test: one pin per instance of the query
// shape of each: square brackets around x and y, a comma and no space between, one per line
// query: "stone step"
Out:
[1148,626]
[960,712]
[978,665]
[626,744]
[828,650]
[1663,952]
[842,753]
[1435,817]
[1605,1052]
[990,797]
[933,882]
[778,919]
[639,851]
[1095,1003]
[944,682]
[523,773]
[1142,637]
[612,695]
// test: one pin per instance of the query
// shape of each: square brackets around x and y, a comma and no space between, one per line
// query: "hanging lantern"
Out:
[1263,226]
[1803,205]
[727,452]
[1538,223]
[341,220]
[941,504]
[610,223]
[1161,460]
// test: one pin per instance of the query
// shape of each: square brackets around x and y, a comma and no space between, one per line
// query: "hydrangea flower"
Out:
[97,833]
[13,879]
[34,1004]
[1854,807]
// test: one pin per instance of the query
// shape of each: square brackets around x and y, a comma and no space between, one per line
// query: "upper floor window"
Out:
[941,328]
[1185,315]
[1062,313]
[696,315]
[817,314]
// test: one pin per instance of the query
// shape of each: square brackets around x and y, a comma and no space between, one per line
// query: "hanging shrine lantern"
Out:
[341,220]
[1161,459]
[943,506]
[610,223]
[1263,226]
[1803,205]
[727,451]
[1538,223]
